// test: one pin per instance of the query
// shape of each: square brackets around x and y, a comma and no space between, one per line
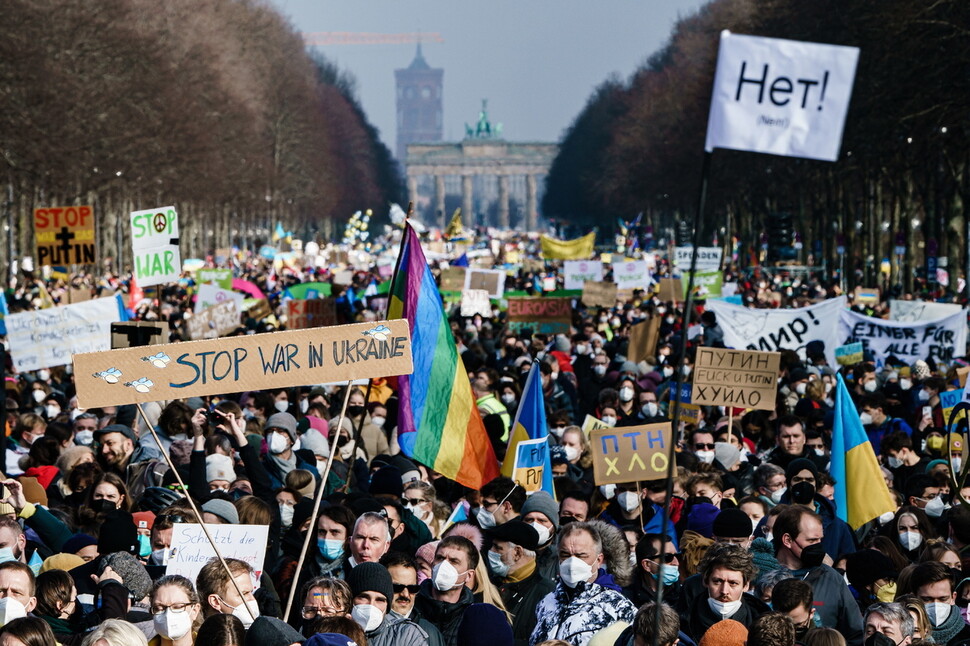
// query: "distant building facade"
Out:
[420,116]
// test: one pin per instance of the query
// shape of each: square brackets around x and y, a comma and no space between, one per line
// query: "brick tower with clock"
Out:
[419,104]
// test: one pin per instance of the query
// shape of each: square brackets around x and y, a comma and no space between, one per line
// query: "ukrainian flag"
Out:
[530,424]
[861,493]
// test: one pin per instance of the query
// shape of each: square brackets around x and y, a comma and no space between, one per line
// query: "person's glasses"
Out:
[170,518]
[401,587]
[666,558]
[175,607]
[309,612]
[700,446]
[414,501]
[487,504]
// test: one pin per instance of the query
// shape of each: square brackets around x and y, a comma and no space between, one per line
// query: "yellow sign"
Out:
[578,249]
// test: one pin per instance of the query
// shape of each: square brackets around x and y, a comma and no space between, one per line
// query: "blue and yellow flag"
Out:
[530,424]
[861,493]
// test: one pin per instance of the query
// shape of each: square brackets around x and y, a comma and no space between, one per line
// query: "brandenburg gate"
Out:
[482,154]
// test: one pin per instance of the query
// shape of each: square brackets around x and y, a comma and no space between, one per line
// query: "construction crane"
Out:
[323,38]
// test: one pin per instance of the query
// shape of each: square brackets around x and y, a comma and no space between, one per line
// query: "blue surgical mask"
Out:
[669,573]
[330,549]
[144,546]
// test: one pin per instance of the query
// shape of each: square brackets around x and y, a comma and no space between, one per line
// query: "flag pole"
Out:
[679,374]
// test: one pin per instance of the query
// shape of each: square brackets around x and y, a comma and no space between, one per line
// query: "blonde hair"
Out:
[117,633]
[489,592]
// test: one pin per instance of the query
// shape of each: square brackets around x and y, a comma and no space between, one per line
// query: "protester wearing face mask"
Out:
[18,585]
[57,604]
[175,607]
[888,624]
[372,590]
[281,458]
[877,423]
[419,498]
[793,598]
[443,599]
[910,529]
[935,586]
[512,560]
[652,567]
[727,574]
[502,500]
[797,537]
[770,483]
[373,439]
[923,492]
[580,606]
[542,513]
[802,479]
[901,459]
[28,428]
[872,576]
[220,596]
[627,389]
[702,444]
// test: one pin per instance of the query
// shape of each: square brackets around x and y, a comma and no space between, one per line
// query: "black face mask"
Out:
[103,506]
[878,639]
[342,440]
[565,520]
[813,555]
[355,411]
[802,493]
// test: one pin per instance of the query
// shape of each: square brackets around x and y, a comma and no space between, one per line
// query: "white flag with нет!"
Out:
[781,97]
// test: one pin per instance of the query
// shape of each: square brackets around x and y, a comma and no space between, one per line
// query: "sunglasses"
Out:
[171,518]
[414,501]
[701,446]
[400,587]
[666,558]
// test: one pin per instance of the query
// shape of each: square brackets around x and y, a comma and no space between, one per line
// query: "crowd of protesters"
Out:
[753,551]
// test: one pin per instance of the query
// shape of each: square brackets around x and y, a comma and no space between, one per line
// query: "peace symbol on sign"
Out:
[159,222]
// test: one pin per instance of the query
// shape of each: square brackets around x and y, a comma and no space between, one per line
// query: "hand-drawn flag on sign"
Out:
[782,97]
[530,424]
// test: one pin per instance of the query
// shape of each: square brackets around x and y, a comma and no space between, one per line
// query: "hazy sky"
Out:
[536,61]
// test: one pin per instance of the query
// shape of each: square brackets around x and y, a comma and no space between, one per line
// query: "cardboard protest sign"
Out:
[64,235]
[577,272]
[708,258]
[630,453]
[671,290]
[475,301]
[45,338]
[631,274]
[849,355]
[783,329]
[221,278]
[491,280]
[190,549]
[912,311]
[257,309]
[214,322]
[452,279]
[591,424]
[78,294]
[530,460]
[209,296]
[541,315]
[941,340]
[136,334]
[962,373]
[310,313]
[155,246]
[241,363]
[781,97]
[643,340]
[344,277]
[739,378]
[599,294]
[866,296]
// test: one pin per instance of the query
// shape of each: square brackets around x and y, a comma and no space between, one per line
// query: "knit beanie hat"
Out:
[64,562]
[219,467]
[270,631]
[800,464]
[133,574]
[314,442]
[371,577]
[701,518]
[726,632]
[223,509]
[482,624]
[543,503]
[78,542]
[284,422]
[732,523]
[387,480]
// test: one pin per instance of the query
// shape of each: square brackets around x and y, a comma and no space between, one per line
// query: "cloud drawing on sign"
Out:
[159,360]
[381,332]
[111,375]
[142,385]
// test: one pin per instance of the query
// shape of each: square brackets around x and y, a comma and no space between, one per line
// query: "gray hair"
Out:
[767,581]
[894,612]
[574,528]
[766,472]
[374,518]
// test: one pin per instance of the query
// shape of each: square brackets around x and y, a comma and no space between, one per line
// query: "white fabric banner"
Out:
[708,258]
[746,328]
[942,340]
[45,338]
[631,274]
[782,97]
[911,311]
[577,272]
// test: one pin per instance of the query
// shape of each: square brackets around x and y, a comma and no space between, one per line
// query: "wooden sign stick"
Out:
[195,509]
[316,503]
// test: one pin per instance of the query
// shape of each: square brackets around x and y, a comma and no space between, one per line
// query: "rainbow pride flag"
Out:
[861,493]
[438,421]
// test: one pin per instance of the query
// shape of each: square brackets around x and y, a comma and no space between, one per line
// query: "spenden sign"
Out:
[155,244]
